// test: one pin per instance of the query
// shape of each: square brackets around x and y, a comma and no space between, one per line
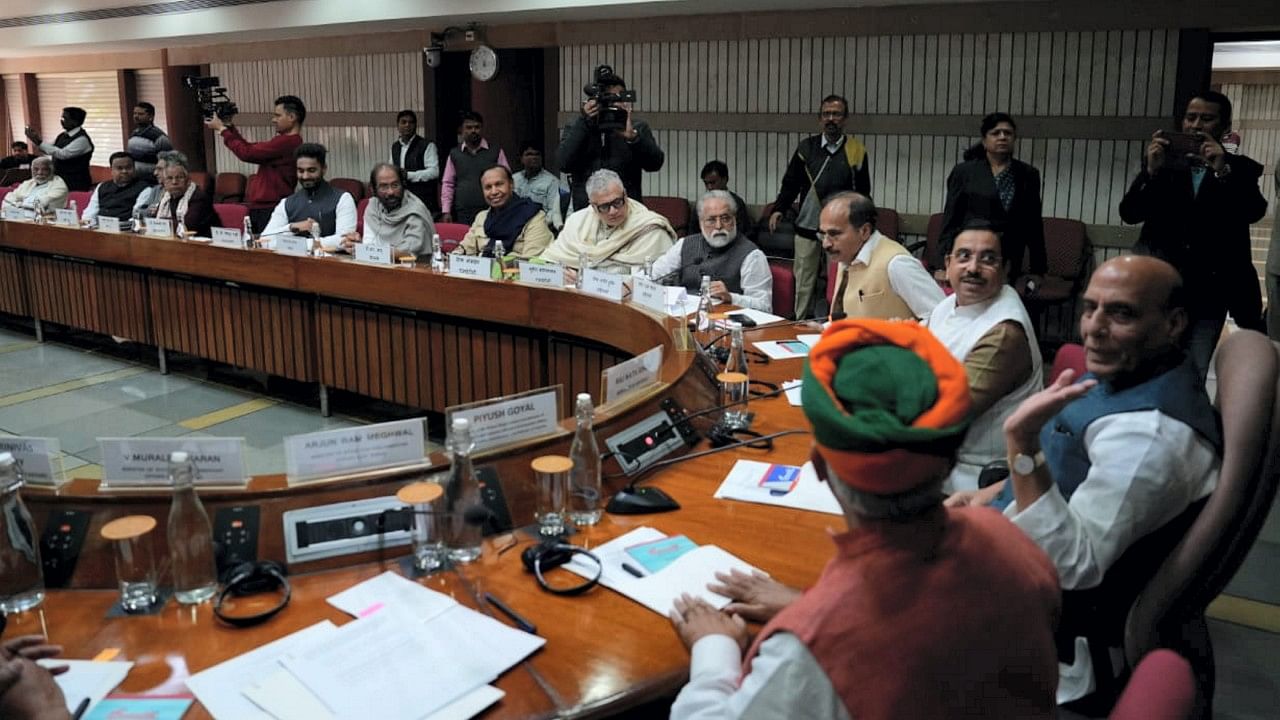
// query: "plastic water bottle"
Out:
[648,266]
[248,233]
[21,575]
[584,478]
[75,208]
[461,493]
[138,214]
[315,238]
[735,393]
[195,572]
[705,327]
[180,230]
[582,270]
[437,254]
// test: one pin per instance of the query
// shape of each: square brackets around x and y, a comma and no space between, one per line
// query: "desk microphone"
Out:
[662,280]
[633,500]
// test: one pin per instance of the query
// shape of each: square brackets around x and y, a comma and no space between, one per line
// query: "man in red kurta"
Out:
[276,176]
[924,612]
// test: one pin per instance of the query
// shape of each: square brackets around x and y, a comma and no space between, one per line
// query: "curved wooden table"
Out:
[604,652]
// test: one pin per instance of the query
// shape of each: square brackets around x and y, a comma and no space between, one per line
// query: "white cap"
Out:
[6,459]
[461,424]
[178,456]
[584,396]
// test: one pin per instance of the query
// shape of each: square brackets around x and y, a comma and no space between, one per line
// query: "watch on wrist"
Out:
[1225,171]
[1023,464]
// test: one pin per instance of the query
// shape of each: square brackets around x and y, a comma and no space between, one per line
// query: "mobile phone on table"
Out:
[743,320]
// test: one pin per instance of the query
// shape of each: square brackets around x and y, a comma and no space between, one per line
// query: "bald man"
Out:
[1129,454]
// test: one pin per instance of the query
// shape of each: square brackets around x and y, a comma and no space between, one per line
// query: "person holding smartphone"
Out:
[1196,216]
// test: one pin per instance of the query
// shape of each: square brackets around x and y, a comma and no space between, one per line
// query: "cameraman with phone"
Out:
[606,137]
[1196,203]
[277,174]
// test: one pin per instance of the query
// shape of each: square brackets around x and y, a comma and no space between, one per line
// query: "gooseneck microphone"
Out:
[696,262]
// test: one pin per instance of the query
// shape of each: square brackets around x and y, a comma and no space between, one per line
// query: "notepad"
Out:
[88,679]
[655,555]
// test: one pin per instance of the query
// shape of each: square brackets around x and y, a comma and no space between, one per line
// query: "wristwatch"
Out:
[1023,464]
[1225,171]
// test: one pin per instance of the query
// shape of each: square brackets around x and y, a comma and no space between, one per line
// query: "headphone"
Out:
[553,554]
[248,578]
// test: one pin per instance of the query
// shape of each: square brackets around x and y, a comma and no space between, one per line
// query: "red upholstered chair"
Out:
[887,223]
[933,243]
[784,289]
[1169,612]
[1067,248]
[4,191]
[1069,357]
[351,185]
[99,173]
[450,235]
[81,198]
[229,187]
[674,209]
[1162,688]
[230,215]
[203,180]
[360,208]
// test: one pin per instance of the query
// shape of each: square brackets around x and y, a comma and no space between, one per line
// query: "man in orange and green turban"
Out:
[924,611]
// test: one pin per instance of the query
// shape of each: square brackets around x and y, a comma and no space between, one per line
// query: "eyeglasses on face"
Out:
[614,204]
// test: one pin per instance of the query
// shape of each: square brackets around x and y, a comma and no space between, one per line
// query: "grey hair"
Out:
[42,160]
[724,195]
[900,506]
[601,180]
[174,157]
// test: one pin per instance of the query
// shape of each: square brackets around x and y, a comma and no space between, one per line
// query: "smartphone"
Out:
[1184,148]
[743,320]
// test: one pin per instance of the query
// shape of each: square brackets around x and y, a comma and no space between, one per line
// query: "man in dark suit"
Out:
[1196,211]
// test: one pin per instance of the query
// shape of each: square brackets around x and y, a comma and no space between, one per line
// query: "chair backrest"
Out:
[203,180]
[784,289]
[229,187]
[1211,551]
[933,243]
[4,191]
[674,209]
[1069,357]
[1066,246]
[81,198]
[360,208]
[230,215]
[99,173]
[350,185]
[887,223]
[1162,688]
[450,235]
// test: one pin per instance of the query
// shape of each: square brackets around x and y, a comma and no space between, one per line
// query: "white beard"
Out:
[718,239]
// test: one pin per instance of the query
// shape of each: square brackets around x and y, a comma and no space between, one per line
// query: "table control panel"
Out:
[60,545]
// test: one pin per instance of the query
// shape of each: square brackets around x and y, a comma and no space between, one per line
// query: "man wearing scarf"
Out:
[43,191]
[518,222]
[924,611]
[394,217]
[185,200]
[738,270]
[614,233]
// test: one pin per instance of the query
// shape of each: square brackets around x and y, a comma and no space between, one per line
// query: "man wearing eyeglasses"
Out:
[613,233]
[985,326]
[738,270]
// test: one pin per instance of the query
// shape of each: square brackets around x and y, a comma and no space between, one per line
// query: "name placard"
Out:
[228,238]
[510,419]
[108,224]
[628,376]
[648,294]
[11,212]
[65,217]
[472,266]
[290,244]
[144,462]
[40,458]
[374,253]
[159,228]
[603,284]
[532,273]
[370,447]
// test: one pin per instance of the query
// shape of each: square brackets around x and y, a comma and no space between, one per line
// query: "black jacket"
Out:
[839,176]
[1204,235]
[584,150]
[972,195]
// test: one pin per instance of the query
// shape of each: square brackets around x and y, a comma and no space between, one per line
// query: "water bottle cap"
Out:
[178,456]
[461,424]
[7,460]
[584,397]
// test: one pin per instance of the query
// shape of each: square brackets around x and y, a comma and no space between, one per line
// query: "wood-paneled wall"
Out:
[923,95]
[1256,110]
[363,84]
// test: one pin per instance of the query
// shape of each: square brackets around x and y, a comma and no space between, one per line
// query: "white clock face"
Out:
[484,63]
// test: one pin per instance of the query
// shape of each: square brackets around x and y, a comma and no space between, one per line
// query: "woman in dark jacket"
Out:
[991,185]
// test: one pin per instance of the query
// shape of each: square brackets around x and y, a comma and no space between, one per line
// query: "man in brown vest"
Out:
[924,612]
[878,278]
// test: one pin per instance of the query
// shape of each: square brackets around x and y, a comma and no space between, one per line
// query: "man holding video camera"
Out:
[606,137]
[276,175]
[1196,203]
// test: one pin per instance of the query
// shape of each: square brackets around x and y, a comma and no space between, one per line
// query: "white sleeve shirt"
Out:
[911,282]
[78,146]
[757,280]
[90,212]
[344,223]
[785,682]
[430,163]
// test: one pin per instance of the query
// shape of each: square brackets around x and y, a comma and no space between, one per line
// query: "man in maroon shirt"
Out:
[276,175]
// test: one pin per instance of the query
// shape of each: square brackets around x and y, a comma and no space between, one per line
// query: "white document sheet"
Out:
[761,317]
[388,665]
[743,483]
[680,302]
[285,698]
[777,351]
[219,687]
[809,339]
[793,391]
[690,573]
[394,591]
[495,645]
[88,679]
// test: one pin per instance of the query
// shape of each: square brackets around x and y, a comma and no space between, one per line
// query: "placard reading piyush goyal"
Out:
[510,419]
[369,447]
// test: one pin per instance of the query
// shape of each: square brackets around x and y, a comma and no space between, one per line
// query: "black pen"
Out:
[79,713]
[631,569]
[520,622]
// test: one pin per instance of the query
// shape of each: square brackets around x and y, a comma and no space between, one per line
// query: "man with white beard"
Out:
[738,269]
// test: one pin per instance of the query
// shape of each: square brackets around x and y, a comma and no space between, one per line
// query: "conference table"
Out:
[425,340]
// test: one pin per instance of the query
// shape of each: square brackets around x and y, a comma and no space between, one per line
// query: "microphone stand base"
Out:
[641,501]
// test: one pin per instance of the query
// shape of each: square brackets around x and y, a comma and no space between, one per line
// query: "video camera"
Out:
[211,97]
[611,116]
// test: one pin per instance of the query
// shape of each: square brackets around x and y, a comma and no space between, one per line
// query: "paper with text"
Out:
[810,493]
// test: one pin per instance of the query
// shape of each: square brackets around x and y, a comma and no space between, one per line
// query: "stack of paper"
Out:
[397,660]
[757,482]
[658,591]
[88,679]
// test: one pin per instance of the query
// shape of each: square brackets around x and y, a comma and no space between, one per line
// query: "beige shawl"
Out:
[644,234]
